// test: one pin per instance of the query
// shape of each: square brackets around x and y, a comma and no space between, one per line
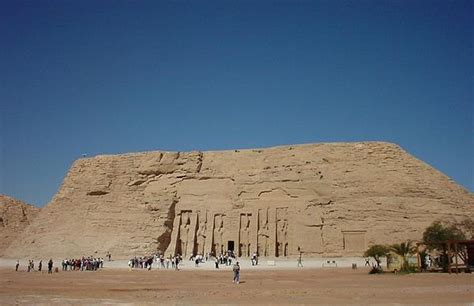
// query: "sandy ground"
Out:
[203,285]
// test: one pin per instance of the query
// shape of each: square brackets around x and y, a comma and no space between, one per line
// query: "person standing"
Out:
[176,264]
[40,266]
[50,266]
[236,270]
[17,265]
[300,261]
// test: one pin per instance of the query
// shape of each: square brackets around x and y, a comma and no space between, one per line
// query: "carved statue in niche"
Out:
[245,234]
[184,231]
[282,232]
[201,233]
[218,233]
[263,244]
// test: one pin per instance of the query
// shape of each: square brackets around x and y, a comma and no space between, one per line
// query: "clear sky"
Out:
[105,77]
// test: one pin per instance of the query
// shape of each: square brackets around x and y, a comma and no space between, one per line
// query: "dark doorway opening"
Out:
[230,245]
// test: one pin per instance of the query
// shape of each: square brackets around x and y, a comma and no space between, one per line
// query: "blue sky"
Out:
[97,77]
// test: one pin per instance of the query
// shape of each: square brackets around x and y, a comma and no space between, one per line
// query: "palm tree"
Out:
[404,249]
[377,251]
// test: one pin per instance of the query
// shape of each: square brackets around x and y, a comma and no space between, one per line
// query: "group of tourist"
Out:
[85,263]
[141,262]
[146,262]
[224,259]
[227,260]
[93,264]
[198,259]
[31,266]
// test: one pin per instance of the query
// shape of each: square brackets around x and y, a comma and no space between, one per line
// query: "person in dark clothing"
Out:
[40,265]
[50,266]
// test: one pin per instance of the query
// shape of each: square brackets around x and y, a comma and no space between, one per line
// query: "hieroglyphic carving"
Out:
[244,245]
[282,232]
[263,238]
[218,243]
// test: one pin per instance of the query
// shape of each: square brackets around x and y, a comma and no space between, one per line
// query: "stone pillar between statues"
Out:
[254,232]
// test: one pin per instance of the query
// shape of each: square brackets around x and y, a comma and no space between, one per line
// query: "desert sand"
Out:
[336,286]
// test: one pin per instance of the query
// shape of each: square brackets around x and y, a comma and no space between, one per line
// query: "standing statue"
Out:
[263,244]
[218,232]
[282,234]
[282,237]
[184,232]
[201,234]
[245,234]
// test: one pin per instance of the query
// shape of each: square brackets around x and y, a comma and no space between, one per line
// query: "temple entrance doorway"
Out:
[230,245]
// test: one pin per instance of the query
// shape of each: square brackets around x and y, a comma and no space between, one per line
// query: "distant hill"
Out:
[15,216]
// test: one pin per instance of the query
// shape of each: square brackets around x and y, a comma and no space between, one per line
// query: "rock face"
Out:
[15,216]
[323,199]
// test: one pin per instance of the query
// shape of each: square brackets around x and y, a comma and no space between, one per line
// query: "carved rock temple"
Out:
[332,199]
[266,231]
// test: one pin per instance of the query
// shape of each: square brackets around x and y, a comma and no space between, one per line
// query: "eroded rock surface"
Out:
[15,216]
[323,199]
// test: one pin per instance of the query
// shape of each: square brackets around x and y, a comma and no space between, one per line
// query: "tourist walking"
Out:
[236,270]
[300,261]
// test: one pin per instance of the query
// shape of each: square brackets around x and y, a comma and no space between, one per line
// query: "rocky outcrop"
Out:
[323,199]
[15,216]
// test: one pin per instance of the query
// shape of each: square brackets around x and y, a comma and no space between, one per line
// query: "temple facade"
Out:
[265,231]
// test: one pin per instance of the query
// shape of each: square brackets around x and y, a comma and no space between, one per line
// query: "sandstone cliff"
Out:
[15,216]
[324,199]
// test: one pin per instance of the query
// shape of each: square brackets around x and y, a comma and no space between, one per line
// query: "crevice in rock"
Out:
[199,166]
[323,243]
[165,239]
[97,193]
[241,193]
[136,182]
[315,202]
[275,189]
[204,178]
